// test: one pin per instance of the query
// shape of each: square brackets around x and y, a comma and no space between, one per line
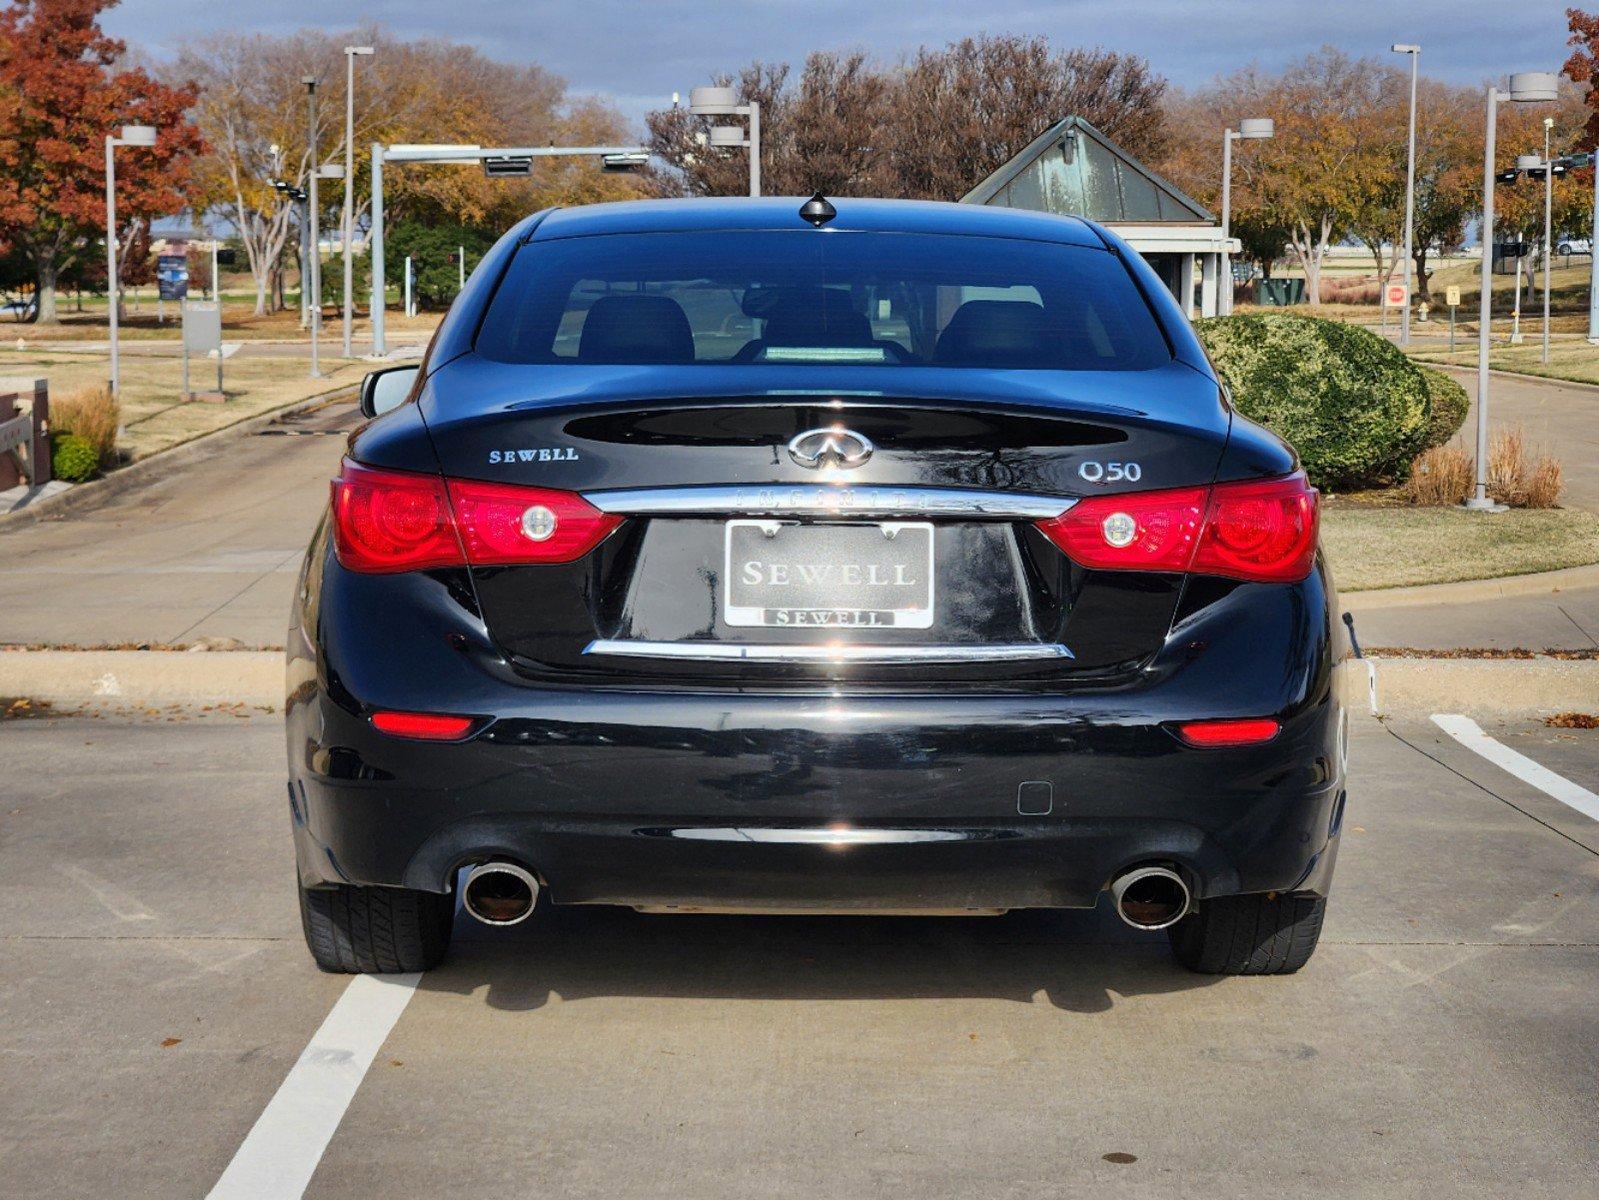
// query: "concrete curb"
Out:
[1468,590]
[144,678]
[1523,376]
[200,446]
[129,679]
[1493,686]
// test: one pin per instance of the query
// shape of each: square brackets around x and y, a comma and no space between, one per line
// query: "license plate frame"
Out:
[918,549]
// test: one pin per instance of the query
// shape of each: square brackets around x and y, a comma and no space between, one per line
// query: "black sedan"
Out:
[862,556]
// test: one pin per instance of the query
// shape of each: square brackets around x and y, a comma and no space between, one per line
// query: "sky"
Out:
[638,52]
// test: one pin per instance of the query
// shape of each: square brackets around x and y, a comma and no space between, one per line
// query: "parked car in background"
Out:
[1574,246]
[878,557]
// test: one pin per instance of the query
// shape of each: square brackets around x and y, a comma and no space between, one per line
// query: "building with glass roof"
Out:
[1075,170]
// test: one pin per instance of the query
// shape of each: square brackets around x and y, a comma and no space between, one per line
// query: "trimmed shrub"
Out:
[72,458]
[1356,409]
[93,415]
[1449,405]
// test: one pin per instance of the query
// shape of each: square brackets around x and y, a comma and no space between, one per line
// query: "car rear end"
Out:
[875,568]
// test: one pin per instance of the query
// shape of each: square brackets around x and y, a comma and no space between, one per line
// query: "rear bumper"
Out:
[867,800]
[892,802]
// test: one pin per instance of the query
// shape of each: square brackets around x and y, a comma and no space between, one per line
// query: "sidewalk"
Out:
[209,550]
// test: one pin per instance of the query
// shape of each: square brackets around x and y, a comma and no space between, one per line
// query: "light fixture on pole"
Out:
[131,135]
[723,102]
[1250,128]
[347,231]
[1528,87]
[1410,188]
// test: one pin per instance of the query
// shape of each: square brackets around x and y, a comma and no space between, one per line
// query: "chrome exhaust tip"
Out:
[499,893]
[1151,898]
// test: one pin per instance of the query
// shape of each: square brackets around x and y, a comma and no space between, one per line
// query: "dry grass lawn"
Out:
[153,415]
[1377,547]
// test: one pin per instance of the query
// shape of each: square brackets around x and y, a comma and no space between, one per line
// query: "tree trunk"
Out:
[45,282]
[1418,258]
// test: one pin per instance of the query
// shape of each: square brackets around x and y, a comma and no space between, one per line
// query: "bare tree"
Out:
[928,128]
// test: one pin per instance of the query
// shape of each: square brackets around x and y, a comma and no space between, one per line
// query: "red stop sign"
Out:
[1396,295]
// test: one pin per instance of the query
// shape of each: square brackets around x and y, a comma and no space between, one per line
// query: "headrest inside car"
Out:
[997,333]
[815,317]
[636,329]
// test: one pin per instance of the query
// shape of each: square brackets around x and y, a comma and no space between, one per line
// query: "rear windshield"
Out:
[804,297]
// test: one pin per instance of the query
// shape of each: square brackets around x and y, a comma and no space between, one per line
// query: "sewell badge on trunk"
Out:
[834,575]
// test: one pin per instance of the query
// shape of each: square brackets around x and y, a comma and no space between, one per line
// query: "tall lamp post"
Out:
[723,102]
[1410,188]
[1250,128]
[131,135]
[351,53]
[1548,228]
[314,253]
[1528,87]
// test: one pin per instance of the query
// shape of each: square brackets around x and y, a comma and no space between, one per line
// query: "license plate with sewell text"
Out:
[792,574]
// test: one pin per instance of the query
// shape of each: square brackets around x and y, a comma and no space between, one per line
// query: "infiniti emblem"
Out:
[831,447]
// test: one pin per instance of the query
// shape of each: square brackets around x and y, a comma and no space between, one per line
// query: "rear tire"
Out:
[375,930]
[1249,935]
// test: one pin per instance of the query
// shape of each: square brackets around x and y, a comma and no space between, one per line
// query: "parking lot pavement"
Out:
[1444,1041]
[210,550]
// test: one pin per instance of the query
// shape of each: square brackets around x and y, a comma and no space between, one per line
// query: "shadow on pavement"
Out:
[1079,961]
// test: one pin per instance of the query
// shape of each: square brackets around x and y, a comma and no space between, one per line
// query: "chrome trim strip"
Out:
[826,500]
[842,653]
[814,836]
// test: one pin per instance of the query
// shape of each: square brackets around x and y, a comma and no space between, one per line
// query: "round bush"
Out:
[1449,405]
[72,458]
[1354,406]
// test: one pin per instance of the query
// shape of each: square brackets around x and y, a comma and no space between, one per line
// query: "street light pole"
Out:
[132,135]
[1410,189]
[314,263]
[1526,87]
[1593,258]
[348,232]
[1251,128]
[1227,137]
[1548,230]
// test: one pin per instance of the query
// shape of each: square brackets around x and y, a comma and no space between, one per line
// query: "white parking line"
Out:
[1470,735]
[281,1152]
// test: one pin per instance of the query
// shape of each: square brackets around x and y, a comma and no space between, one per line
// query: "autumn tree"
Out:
[1192,159]
[253,110]
[61,93]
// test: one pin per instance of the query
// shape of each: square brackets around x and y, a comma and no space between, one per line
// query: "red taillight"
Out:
[387,521]
[1247,731]
[427,727]
[502,523]
[1262,531]
[1138,531]
[392,521]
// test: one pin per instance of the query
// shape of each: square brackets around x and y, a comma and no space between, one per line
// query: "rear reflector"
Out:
[1264,531]
[389,521]
[1247,731]
[429,727]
